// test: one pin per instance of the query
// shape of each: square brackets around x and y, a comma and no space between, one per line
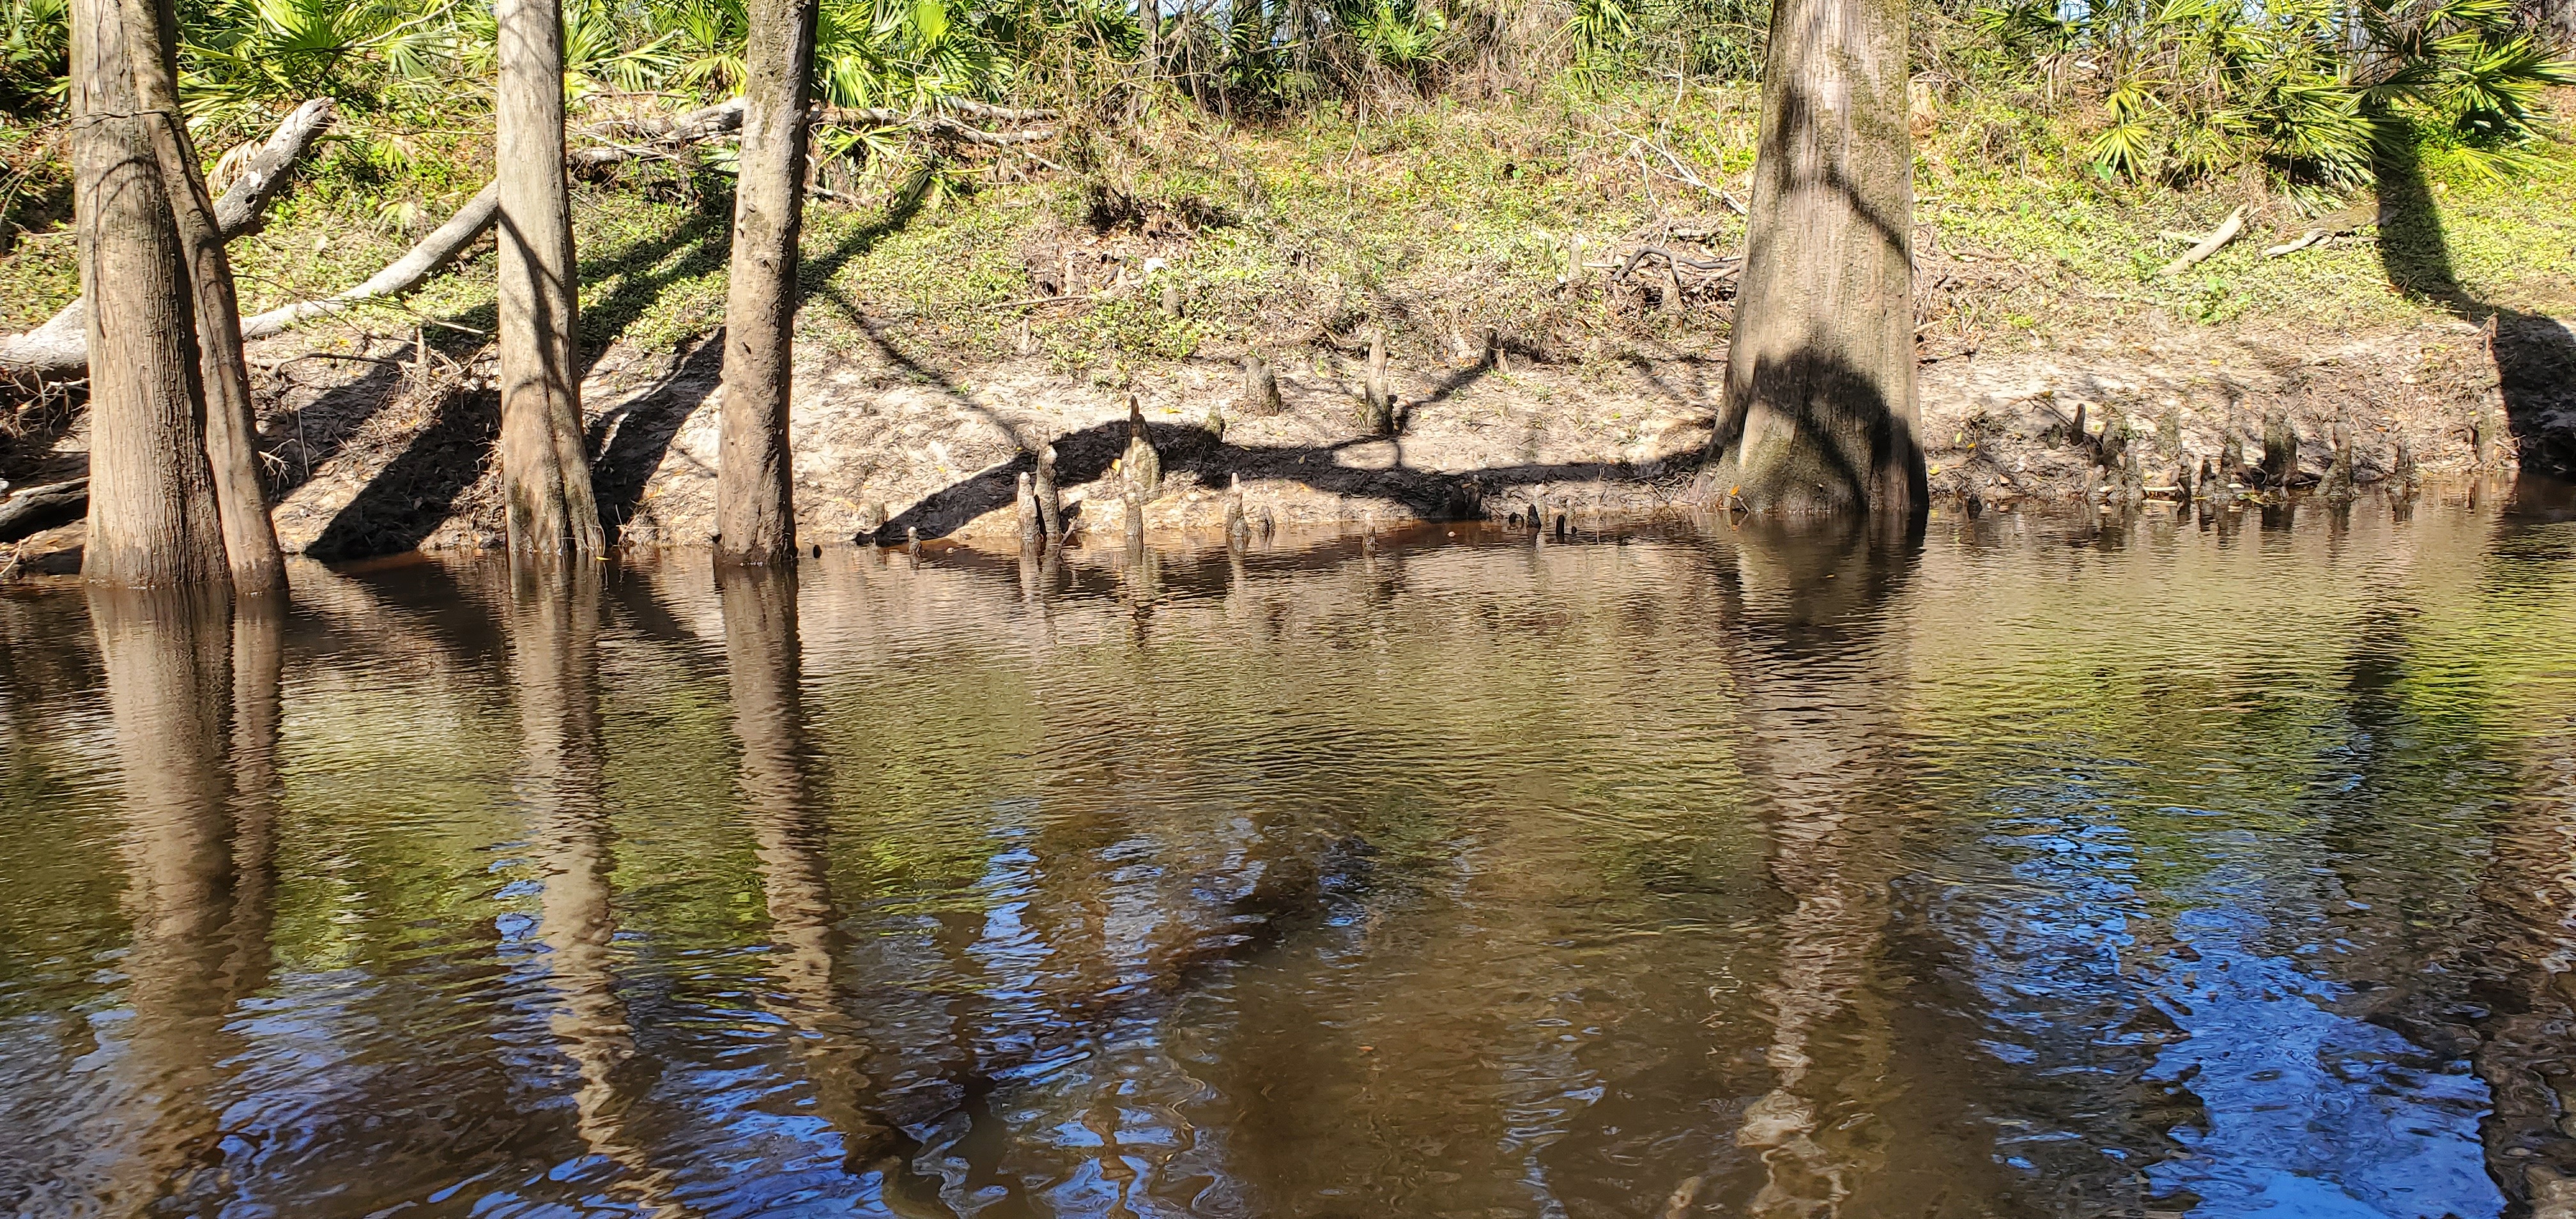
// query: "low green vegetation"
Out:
[1432,171]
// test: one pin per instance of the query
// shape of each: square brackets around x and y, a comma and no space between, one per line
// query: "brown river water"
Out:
[2030,866]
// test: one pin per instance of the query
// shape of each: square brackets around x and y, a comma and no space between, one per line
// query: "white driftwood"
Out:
[401,275]
[2226,232]
[60,347]
[2296,244]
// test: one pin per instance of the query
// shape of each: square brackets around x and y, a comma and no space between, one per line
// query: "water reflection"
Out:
[2018,867]
[1818,684]
[196,887]
[554,671]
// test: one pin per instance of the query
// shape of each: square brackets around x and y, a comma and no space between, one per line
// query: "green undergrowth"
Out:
[1436,225]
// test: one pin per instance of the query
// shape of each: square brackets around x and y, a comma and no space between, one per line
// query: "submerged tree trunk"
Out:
[153,518]
[545,467]
[755,496]
[1820,405]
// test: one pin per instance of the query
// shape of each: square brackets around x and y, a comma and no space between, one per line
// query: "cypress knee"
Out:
[2338,485]
[1260,387]
[1238,527]
[2280,450]
[1143,466]
[1050,504]
[1381,405]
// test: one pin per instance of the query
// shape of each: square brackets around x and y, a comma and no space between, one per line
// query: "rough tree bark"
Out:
[755,475]
[1820,401]
[545,466]
[152,513]
[232,421]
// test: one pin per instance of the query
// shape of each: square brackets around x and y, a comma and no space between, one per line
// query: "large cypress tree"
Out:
[1820,411]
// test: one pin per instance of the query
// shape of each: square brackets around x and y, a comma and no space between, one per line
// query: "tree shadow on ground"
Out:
[644,269]
[631,438]
[299,441]
[1085,457]
[416,492]
[2535,356]
[1845,440]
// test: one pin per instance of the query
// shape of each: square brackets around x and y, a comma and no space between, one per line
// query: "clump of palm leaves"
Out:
[35,45]
[1715,39]
[2302,89]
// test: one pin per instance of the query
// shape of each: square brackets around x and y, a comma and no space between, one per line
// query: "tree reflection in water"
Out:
[192,687]
[1819,678]
[554,668]
[2016,870]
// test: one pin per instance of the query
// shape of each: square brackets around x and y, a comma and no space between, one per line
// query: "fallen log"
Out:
[696,126]
[2333,224]
[934,124]
[60,347]
[401,275]
[40,508]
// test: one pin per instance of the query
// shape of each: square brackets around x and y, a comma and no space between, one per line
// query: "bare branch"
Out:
[60,347]
[2226,232]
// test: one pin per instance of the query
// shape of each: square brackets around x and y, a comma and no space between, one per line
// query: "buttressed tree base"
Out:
[1820,411]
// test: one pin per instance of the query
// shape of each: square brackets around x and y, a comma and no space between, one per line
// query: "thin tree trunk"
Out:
[152,513]
[755,473]
[1149,22]
[545,466]
[1820,400]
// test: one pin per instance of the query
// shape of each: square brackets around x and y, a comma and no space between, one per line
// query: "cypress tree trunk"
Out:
[755,496]
[232,422]
[231,428]
[152,513]
[545,466]
[1820,403]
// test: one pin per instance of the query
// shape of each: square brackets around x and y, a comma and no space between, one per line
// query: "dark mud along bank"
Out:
[373,449]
